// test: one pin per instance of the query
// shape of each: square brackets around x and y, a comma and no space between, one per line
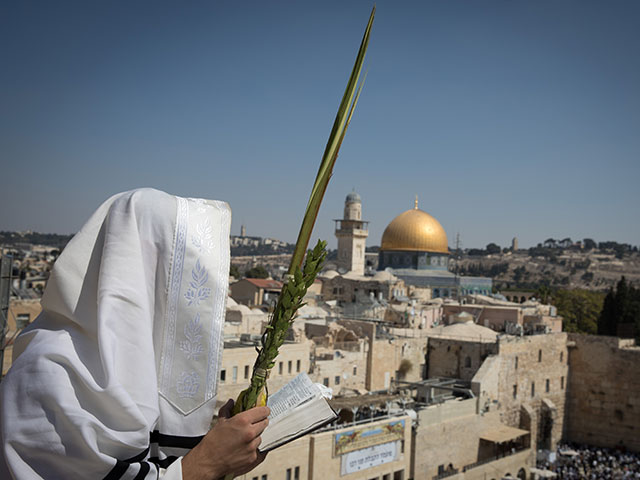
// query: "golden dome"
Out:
[415,230]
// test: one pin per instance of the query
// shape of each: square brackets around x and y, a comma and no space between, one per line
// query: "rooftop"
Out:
[266,283]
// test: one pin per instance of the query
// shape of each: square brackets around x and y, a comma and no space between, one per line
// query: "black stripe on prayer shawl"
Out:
[117,471]
[174,440]
[121,466]
[144,469]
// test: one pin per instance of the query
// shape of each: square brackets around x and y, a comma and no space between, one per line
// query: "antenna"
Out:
[457,269]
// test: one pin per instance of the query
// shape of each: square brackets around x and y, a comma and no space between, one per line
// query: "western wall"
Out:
[603,392]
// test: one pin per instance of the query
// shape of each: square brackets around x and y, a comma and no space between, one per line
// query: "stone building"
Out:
[527,376]
[239,355]
[352,288]
[530,317]
[21,313]
[491,316]
[255,291]
[414,315]
[352,233]
[390,357]
[379,449]
[459,349]
[391,436]
[242,320]
[339,359]
[342,368]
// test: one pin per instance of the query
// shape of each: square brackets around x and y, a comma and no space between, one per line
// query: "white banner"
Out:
[369,457]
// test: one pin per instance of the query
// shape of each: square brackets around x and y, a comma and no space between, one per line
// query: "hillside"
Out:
[595,270]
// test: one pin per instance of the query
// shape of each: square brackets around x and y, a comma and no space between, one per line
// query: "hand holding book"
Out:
[298,408]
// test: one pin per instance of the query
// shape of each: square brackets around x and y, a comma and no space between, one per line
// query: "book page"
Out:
[297,422]
[297,391]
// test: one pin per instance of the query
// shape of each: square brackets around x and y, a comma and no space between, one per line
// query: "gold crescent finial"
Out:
[415,205]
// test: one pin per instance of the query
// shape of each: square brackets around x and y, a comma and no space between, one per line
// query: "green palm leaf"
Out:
[343,117]
[299,279]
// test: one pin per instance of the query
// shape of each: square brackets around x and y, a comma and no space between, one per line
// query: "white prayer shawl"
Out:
[117,376]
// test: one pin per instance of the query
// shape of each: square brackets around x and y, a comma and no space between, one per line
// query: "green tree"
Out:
[543,293]
[234,271]
[493,248]
[589,244]
[621,307]
[607,321]
[519,274]
[257,272]
[579,308]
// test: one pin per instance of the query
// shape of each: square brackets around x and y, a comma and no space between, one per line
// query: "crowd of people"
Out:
[593,463]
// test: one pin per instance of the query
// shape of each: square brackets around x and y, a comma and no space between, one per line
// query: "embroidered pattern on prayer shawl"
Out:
[196,274]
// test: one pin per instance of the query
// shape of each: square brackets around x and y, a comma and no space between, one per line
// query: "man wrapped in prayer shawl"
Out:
[117,377]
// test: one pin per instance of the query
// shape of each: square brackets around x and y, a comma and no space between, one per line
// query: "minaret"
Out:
[352,234]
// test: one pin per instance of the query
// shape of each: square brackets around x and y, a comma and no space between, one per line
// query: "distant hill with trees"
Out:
[15,239]
[563,263]
[246,250]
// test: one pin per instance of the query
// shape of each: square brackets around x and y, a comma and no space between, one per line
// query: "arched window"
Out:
[467,362]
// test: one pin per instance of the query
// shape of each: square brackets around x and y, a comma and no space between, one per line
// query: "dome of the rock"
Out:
[417,231]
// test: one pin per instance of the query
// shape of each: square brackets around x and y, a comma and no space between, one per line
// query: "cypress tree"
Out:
[607,323]
[621,307]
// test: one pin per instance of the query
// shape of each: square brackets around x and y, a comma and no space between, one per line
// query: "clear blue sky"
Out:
[507,118]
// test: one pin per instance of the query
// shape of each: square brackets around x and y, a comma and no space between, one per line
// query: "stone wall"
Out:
[534,373]
[361,328]
[449,434]
[450,439]
[485,384]
[454,358]
[385,360]
[604,392]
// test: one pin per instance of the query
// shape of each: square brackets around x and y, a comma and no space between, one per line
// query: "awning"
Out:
[568,452]
[502,433]
[542,473]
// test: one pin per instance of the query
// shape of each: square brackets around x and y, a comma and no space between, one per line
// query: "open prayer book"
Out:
[298,408]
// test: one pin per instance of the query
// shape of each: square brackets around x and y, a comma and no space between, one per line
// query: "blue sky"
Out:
[506,118]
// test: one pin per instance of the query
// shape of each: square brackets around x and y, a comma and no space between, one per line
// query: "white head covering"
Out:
[118,374]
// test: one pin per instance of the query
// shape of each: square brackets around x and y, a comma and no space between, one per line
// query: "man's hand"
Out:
[231,446]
